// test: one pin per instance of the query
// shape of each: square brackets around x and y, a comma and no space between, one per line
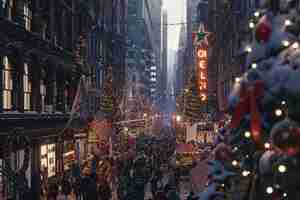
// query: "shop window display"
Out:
[48,159]
[69,155]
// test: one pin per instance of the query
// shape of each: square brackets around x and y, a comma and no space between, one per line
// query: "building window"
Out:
[27,88]
[48,160]
[6,8]
[43,95]
[27,16]
[7,84]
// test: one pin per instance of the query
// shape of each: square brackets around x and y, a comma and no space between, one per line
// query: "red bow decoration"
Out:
[247,104]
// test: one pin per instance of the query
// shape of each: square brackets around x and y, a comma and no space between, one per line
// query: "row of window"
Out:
[228,84]
[9,85]
[24,11]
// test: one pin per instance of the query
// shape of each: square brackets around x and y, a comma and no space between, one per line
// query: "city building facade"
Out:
[141,54]
[164,57]
[46,49]
[228,23]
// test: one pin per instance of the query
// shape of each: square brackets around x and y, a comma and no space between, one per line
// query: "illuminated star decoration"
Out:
[201,35]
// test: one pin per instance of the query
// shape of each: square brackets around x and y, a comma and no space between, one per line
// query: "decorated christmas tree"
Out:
[264,130]
[193,105]
[108,105]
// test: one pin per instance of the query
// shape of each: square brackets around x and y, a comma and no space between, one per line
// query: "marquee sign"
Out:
[202,62]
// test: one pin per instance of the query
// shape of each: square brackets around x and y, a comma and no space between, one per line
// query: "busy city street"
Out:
[149,99]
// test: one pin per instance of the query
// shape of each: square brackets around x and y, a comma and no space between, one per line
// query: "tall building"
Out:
[155,7]
[46,47]
[44,52]
[164,57]
[191,6]
[142,46]
[227,56]
[179,83]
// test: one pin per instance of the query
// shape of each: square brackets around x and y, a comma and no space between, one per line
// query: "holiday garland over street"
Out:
[261,158]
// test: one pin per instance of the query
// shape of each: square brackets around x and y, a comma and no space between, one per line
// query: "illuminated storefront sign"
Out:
[202,55]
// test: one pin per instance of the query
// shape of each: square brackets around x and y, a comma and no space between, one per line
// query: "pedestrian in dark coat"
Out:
[52,191]
[89,188]
[66,187]
[76,188]
[104,190]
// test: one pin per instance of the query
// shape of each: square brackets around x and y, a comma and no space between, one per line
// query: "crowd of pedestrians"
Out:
[124,177]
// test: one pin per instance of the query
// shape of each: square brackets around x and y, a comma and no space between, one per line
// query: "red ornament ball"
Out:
[263,30]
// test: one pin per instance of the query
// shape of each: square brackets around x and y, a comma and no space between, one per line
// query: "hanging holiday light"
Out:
[284,194]
[234,163]
[282,168]
[287,22]
[295,45]
[247,134]
[267,145]
[248,49]
[245,173]
[269,190]
[254,66]
[251,25]
[278,112]
[256,14]
[285,43]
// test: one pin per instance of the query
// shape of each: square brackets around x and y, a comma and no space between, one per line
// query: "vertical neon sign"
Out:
[202,55]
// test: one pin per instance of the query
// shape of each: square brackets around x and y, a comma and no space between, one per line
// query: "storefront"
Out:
[205,132]
[68,155]
[81,147]
[48,160]
[16,162]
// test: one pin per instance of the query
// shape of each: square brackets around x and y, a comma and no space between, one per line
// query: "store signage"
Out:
[202,62]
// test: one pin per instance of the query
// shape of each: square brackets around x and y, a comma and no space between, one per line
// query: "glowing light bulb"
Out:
[287,22]
[237,79]
[285,43]
[248,49]
[278,112]
[251,25]
[269,190]
[234,163]
[254,66]
[235,148]
[245,173]
[247,134]
[256,14]
[283,103]
[267,145]
[282,168]
[295,45]
[284,194]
